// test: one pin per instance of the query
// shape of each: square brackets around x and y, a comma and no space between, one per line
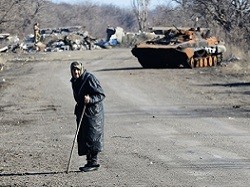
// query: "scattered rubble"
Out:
[52,40]
[70,38]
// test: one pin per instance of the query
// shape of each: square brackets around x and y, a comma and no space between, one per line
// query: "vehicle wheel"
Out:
[210,61]
[214,60]
[191,62]
[205,64]
[201,62]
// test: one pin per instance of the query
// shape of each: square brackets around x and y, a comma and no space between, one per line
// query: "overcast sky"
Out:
[120,3]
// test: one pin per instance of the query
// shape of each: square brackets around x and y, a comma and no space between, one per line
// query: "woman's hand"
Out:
[86,99]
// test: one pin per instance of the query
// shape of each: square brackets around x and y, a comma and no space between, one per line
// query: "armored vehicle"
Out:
[180,47]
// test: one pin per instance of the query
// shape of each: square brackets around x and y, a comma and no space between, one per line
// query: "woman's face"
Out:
[76,72]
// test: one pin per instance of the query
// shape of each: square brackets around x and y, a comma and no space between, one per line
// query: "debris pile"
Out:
[114,37]
[8,43]
[59,39]
[70,38]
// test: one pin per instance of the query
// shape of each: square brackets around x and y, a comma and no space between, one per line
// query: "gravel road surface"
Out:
[163,127]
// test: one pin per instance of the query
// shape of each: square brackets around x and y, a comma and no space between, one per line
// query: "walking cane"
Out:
[77,131]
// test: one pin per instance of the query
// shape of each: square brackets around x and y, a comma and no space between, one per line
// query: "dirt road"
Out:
[163,127]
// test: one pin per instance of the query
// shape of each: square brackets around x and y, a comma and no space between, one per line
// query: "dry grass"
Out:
[236,52]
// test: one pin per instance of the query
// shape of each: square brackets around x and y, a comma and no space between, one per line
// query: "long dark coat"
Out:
[91,134]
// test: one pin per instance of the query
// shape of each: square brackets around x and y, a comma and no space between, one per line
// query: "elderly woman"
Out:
[88,92]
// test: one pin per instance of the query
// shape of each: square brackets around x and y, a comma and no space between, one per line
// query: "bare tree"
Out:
[233,16]
[169,15]
[17,15]
[140,8]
